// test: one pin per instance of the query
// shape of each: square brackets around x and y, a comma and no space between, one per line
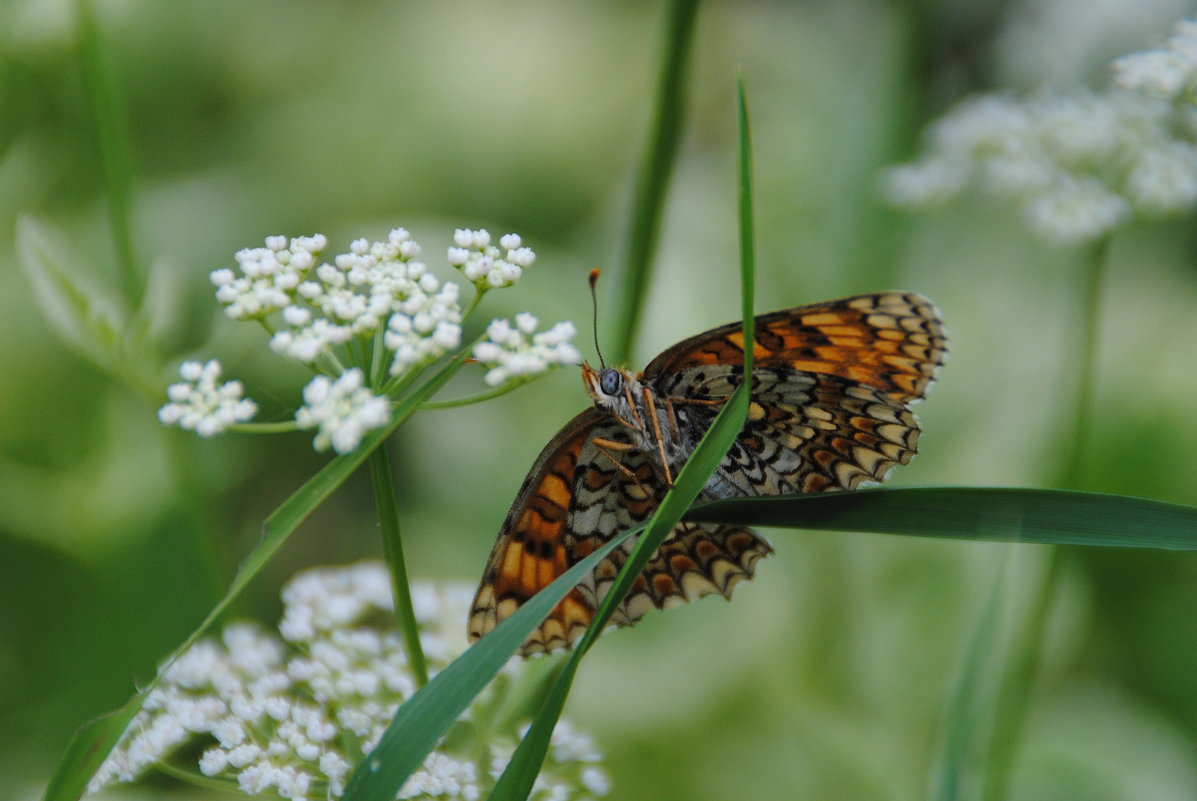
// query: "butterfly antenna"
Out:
[594,275]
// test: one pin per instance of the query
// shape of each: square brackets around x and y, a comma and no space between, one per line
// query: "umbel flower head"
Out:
[366,322]
[1076,163]
[292,713]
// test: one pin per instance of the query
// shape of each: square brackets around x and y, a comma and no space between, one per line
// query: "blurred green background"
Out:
[829,676]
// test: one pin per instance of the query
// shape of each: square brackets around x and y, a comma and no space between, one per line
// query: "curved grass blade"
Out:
[516,782]
[998,514]
[92,743]
[428,714]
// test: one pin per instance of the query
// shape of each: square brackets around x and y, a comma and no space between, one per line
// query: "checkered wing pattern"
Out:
[576,498]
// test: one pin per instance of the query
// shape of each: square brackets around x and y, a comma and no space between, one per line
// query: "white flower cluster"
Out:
[1168,72]
[1077,164]
[200,404]
[293,715]
[321,305]
[342,410]
[518,351]
[484,264]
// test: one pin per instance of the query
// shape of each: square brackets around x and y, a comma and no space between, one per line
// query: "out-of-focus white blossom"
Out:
[517,350]
[200,404]
[292,715]
[1168,72]
[1077,164]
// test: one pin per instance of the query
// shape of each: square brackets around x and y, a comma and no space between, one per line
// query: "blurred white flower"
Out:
[200,404]
[342,410]
[518,351]
[1167,72]
[292,715]
[1076,163]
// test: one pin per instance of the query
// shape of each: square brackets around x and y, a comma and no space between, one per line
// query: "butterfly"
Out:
[832,387]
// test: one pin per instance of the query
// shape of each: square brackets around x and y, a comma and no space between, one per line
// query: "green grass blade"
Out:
[93,742]
[644,218]
[428,714]
[516,782]
[974,513]
[746,222]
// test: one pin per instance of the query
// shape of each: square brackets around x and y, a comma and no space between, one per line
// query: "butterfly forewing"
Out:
[829,411]
[891,341]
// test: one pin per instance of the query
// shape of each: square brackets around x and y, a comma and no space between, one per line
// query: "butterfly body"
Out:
[831,387]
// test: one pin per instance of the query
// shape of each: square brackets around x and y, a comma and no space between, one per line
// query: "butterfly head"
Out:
[613,390]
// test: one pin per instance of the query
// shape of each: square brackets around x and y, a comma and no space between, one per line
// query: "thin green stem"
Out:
[1093,275]
[653,179]
[280,427]
[1018,682]
[378,366]
[113,140]
[474,301]
[196,779]
[469,400]
[388,521]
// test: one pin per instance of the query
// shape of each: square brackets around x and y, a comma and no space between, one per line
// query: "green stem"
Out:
[653,179]
[196,779]
[114,149]
[388,521]
[280,427]
[469,400]
[1092,287]
[1014,698]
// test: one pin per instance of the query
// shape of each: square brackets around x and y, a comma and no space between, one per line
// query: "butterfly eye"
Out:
[610,381]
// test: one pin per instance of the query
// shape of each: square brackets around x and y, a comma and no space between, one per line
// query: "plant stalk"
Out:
[1015,694]
[388,521]
[644,222]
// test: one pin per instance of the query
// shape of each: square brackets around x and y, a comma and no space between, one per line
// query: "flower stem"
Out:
[1015,692]
[388,520]
[1092,285]
[502,389]
[279,427]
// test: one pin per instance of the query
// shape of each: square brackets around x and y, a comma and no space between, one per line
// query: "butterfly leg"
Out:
[609,448]
[650,405]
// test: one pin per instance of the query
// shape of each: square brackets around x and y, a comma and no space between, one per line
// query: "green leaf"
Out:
[85,316]
[427,715]
[92,743]
[88,749]
[973,513]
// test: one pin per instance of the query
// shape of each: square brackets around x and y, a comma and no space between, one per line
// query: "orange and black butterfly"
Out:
[831,393]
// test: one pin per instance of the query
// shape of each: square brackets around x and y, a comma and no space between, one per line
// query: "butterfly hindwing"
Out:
[531,549]
[578,496]
[804,432]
